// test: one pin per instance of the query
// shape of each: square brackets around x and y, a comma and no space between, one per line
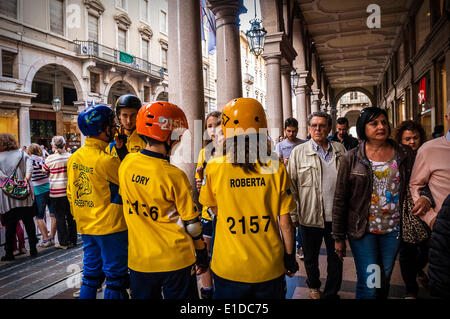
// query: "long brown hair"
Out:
[252,153]
[8,142]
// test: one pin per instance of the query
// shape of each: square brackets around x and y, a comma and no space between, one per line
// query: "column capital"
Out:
[317,94]
[227,8]
[277,44]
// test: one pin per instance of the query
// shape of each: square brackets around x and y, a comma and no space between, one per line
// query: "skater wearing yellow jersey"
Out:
[164,228]
[92,190]
[251,198]
[127,107]
[213,137]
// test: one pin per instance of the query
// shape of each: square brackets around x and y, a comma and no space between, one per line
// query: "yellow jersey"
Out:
[92,189]
[157,198]
[247,244]
[202,163]
[134,144]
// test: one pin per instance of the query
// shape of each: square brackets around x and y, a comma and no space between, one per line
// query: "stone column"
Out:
[302,100]
[186,79]
[278,52]
[315,105]
[228,49]
[286,90]
[24,126]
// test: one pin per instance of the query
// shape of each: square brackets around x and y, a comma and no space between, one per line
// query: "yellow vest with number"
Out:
[157,198]
[247,243]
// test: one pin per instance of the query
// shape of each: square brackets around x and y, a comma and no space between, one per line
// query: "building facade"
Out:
[80,51]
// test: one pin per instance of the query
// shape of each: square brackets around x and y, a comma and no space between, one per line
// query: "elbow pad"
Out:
[194,228]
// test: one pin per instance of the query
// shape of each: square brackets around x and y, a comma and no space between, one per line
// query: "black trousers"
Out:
[312,240]
[10,220]
[65,224]
[413,259]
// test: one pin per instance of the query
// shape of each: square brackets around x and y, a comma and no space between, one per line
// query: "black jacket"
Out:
[349,141]
[439,253]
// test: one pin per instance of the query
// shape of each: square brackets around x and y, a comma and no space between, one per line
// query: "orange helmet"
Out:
[158,120]
[241,114]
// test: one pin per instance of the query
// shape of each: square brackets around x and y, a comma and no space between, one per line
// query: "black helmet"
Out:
[127,101]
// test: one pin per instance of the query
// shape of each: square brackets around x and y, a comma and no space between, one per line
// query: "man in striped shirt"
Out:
[56,166]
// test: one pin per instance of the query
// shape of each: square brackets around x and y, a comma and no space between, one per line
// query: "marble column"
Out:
[302,101]
[186,79]
[24,126]
[286,92]
[274,97]
[278,53]
[228,49]
[315,105]
[80,105]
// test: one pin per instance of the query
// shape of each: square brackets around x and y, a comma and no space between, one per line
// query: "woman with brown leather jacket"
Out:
[371,187]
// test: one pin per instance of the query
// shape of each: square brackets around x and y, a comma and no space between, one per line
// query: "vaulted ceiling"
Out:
[351,53]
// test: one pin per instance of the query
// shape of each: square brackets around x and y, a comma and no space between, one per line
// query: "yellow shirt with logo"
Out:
[247,243]
[92,189]
[134,144]
[157,198]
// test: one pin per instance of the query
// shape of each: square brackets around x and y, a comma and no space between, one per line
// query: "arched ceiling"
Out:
[351,53]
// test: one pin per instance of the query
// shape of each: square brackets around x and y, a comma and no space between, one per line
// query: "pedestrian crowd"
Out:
[252,214]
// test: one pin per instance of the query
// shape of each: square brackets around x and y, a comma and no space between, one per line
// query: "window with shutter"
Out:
[145,47]
[163,22]
[122,37]
[92,28]
[144,10]
[9,8]
[56,16]
[164,57]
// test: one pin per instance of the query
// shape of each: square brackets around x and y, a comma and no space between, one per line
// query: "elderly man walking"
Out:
[313,168]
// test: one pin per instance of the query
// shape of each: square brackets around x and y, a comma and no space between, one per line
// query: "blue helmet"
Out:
[93,120]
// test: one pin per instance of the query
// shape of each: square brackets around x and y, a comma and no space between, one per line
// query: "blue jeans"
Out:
[177,284]
[105,255]
[228,289]
[371,253]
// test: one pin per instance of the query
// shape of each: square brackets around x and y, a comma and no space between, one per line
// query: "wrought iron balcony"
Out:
[92,48]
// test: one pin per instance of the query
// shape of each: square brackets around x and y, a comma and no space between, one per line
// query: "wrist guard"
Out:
[290,263]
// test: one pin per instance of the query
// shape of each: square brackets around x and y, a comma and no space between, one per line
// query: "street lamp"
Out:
[295,77]
[256,36]
[56,103]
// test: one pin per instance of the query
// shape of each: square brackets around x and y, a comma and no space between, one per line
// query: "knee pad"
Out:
[116,287]
[93,282]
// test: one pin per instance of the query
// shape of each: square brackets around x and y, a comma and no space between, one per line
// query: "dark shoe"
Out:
[33,252]
[206,294]
[7,258]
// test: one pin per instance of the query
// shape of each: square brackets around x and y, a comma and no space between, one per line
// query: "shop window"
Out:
[8,63]
[57,16]
[9,8]
[69,96]
[42,127]
[44,92]
[422,23]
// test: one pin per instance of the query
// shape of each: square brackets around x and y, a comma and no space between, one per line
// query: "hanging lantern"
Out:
[256,36]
